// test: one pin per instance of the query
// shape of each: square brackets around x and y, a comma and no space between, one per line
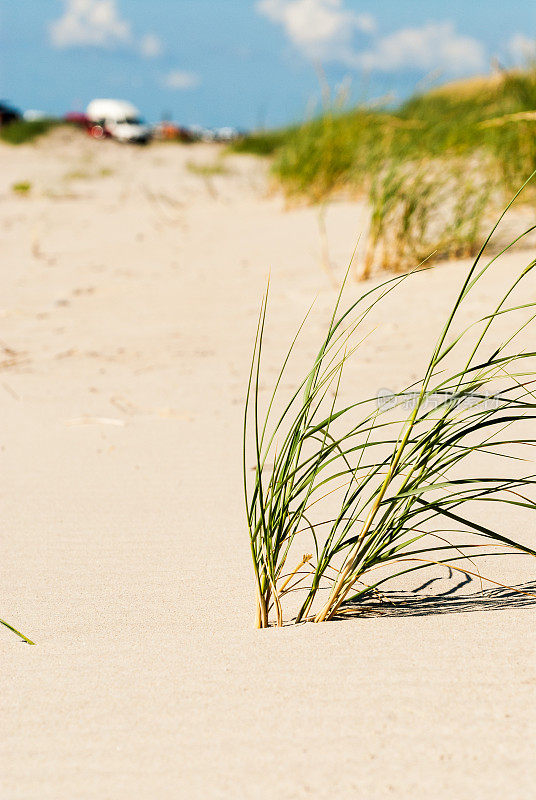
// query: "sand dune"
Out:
[130,289]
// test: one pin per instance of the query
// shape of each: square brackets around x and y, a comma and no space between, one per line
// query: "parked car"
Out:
[8,114]
[118,119]
[201,134]
[94,129]
[227,134]
[168,131]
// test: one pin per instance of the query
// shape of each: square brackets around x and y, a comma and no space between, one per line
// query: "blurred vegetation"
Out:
[22,131]
[207,170]
[261,143]
[22,187]
[430,168]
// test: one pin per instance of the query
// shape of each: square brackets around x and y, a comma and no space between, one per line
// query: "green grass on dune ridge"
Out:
[449,120]
[23,131]
[474,142]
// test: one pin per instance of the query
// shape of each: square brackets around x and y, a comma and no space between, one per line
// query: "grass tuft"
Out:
[23,131]
[473,143]
[419,208]
[208,170]
[387,486]
[22,187]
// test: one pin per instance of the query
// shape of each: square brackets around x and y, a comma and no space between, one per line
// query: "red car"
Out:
[94,129]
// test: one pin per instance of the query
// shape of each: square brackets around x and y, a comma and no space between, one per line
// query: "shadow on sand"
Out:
[417,604]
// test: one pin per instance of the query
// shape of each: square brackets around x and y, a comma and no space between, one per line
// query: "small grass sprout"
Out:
[22,187]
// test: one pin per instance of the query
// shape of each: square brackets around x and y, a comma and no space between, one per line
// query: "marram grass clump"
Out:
[431,207]
[432,170]
[403,480]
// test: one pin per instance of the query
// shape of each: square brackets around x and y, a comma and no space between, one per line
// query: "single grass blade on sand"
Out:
[19,634]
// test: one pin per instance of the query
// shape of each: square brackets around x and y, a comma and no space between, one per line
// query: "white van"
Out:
[119,119]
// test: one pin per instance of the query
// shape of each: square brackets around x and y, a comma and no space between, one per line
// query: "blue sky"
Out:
[246,62]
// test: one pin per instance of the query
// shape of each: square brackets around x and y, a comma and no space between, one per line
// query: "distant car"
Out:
[8,114]
[76,118]
[202,134]
[94,129]
[226,134]
[33,115]
[168,131]
[118,119]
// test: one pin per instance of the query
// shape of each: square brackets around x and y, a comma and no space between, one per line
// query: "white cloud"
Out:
[326,30]
[180,80]
[522,49]
[366,23]
[320,29]
[151,46]
[95,23]
[435,45]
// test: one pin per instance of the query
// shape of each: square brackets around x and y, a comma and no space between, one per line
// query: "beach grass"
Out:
[260,143]
[24,131]
[344,499]
[473,143]
[15,631]
[207,170]
[22,187]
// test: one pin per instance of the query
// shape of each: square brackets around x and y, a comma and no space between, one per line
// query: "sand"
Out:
[130,289]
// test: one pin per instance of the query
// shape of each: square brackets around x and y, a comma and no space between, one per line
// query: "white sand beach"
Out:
[131,285]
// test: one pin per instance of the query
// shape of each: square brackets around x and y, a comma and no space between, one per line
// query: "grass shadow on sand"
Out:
[417,604]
